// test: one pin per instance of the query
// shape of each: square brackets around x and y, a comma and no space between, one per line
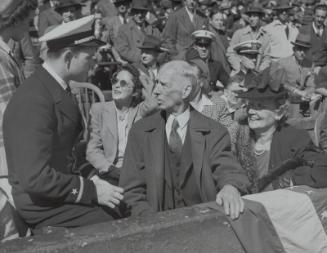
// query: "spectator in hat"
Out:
[112,24]
[317,31]
[166,163]
[69,10]
[253,31]
[14,16]
[181,24]
[298,74]
[265,140]
[131,35]
[281,33]
[203,45]
[48,17]
[42,124]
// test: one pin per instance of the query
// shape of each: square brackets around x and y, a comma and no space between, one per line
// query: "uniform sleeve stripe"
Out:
[81,190]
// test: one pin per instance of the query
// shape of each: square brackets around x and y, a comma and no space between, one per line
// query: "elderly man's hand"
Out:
[230,197]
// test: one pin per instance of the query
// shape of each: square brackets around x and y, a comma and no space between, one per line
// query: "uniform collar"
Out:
[48,68]
[5,46]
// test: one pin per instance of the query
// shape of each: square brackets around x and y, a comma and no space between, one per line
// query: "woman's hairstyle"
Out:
[137,97]
[20,13]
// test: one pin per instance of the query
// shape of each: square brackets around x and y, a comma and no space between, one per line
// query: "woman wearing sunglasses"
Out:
[111,122]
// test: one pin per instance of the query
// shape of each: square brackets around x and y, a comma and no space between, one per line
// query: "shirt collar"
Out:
[182,118]
[5,46]
[48,68]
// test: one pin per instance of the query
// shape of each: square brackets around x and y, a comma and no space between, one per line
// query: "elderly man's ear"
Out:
[187,91]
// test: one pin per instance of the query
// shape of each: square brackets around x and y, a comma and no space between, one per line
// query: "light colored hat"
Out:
[75,33]
[248,47]
[203,36]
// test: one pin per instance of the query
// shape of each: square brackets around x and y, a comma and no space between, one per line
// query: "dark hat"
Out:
[79,32]
[266,85]
[282,5]
[65,4]
[320,6]
[120,2]
[205,2]
[255,8]
[152,43]
[142,5]
[302,40]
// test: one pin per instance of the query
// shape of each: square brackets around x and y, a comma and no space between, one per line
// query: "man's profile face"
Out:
[300,53]
[139,16]
[148,57]
[254,20]
[81,63]
[319,18]
[203,50]
[169,90]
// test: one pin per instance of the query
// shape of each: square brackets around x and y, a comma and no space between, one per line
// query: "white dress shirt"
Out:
[182,122]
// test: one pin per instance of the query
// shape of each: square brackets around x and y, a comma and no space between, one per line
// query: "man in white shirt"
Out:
[178,157]
[41,126]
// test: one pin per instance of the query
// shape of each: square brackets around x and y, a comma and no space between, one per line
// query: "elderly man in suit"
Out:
[41,126]
[178,157]
[181,24]
[317,30]
[131,35]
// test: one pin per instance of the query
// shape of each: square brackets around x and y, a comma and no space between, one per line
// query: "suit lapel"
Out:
[131,117]
[186,21]
[110,119]
[63,101]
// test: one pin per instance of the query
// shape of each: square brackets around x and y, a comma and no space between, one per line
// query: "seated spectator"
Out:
[178,157]
[253,31]
[274,154]
[131,35]
[111,122]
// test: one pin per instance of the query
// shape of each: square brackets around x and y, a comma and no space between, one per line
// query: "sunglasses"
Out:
[202,45]
[122,83]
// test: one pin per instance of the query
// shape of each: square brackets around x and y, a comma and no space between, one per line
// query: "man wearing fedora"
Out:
[42,124]
[253,31]
[181,24]
[281,33]
[299,76]
[317,31]
[131,35]
[69,10]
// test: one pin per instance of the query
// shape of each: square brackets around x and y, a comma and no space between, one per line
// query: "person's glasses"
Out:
[203,45]
[122,83]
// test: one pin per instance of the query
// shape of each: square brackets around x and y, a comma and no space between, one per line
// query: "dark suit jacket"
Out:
[179,28]
[142,175]
[318,51]
[41,125]
[130,38]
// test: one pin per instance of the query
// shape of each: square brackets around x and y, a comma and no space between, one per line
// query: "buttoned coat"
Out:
[143,172]
[102,147]
[41,126]
[130,38]
[179,28]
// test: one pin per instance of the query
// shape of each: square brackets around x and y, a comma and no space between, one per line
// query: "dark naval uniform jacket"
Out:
[41,126]
[207,166]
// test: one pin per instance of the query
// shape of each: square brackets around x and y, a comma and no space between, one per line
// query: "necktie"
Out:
[175,141]
[287,31]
